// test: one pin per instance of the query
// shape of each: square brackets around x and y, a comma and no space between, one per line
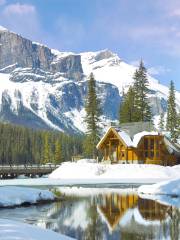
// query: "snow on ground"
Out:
[114,172]
[167,192]
[10,230]
[171,187]
[14,196]
[85,173]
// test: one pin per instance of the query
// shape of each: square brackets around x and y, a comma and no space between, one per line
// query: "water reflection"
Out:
[101,216]
[113,207]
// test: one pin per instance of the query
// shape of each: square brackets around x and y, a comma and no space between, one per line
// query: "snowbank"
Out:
[10,230]
[14,196]
[167,192]
[117,173]
[168,187]
[86,160]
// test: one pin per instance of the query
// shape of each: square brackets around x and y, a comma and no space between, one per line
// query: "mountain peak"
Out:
[3,29]
[104,54]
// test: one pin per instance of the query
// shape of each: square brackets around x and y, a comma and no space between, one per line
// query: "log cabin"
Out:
[152,147]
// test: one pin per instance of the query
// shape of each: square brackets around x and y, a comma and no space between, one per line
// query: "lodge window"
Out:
[151,154]
[146,154]
[149,147]
[146,144]
[152,144]
[157,144]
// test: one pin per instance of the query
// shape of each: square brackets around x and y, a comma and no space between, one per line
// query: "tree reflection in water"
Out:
[102,216]
[114,216]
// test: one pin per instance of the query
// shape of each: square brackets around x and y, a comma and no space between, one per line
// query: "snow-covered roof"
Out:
[129,142]
[171,147]
[134,141]
[137,137]
[126,138]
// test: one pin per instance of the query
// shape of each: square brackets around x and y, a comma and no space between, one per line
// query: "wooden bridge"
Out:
[13,171]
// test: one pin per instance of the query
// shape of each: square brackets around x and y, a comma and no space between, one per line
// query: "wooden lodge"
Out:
[117,146]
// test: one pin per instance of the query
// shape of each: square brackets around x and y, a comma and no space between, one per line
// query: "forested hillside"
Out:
[20,145]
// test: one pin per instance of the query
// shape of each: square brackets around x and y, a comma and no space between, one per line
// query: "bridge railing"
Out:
[12,171]
[24,169]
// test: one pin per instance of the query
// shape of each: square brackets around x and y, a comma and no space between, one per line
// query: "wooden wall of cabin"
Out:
[110,148]
[151,150]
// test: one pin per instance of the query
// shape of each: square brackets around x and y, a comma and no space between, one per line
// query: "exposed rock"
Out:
[41,87]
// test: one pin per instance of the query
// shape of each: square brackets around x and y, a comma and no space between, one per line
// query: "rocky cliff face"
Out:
[45,88]
[16,51]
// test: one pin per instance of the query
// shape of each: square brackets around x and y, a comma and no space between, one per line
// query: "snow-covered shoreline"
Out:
[89,172]
[11,230]
[167,192]
[17,196]
[171,187]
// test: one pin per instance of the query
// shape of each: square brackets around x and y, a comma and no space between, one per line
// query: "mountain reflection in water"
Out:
[113,216]
[101,215]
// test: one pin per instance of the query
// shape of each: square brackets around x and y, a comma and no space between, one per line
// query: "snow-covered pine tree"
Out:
[92,119]
[161,124]
[126,113]
[171,125]
[142,108]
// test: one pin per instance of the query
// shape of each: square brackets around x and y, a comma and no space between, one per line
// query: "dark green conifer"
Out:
[127,112]
[141,104]
[171,125]
[92,118]
[161,124]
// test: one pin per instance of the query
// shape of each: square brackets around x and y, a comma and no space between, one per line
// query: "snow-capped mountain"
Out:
[45,88]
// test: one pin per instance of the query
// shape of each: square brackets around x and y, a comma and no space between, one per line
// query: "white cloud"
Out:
[175,13]
[158,70]
[19,9]
[22,19]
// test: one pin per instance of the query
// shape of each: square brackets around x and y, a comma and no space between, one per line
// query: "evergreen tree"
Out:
[171,125]
[46,149]
[141,104]
[57,157]
[93,112]
[127,113]
[20,145]
[161,124]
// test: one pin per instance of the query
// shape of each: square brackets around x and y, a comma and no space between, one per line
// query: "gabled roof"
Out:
[171,147]
[134,141]
[127,140]
[137,137]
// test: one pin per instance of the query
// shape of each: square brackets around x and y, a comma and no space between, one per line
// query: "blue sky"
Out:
[135,29]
